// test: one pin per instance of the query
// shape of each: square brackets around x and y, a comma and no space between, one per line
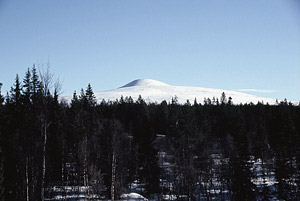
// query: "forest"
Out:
[200,150]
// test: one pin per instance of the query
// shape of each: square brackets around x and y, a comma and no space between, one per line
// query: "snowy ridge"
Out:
[156,91]
[145,82]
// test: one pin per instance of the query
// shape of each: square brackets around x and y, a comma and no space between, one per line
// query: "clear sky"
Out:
[232,44]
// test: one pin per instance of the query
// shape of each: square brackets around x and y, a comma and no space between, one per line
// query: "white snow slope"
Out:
[156,91]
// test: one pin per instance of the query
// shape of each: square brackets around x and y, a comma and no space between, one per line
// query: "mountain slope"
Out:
[156,91]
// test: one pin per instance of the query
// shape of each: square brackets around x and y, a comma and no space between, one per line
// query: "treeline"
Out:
[188,151]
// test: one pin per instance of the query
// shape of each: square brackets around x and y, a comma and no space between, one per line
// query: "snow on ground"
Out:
[156,91]
[132,196]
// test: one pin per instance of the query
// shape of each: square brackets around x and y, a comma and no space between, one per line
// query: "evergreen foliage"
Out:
[190,149]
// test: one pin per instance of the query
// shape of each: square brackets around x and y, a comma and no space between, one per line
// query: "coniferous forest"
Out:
[216,149]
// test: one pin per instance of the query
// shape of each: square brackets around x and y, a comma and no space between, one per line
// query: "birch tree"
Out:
[47,84]
[117,142]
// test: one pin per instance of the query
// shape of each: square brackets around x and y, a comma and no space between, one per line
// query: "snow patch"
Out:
[132,196]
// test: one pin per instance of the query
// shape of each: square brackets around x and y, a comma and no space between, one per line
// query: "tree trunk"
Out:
[113,176]
[62,165]
[86,178]
[190,193]
[27,181]
[44,162]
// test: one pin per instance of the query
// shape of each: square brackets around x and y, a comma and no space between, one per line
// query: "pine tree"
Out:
[1,97]
[35,83]
[27,86]
[55,96]
[230,100]
[91,99]
[223,98]
[195,102]
[16,91]
[74,100]
[82,97]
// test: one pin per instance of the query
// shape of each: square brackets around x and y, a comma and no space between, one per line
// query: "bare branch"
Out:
[58,86]
[47,80]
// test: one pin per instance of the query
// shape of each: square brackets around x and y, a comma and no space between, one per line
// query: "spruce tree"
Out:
[16,91]
[223,98]
[27,85]
[35,83]
[82,98]
[1,97]
[230,100]
[91,99]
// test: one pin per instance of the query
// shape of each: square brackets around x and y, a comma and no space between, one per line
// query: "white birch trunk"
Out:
[27,181]
[44,162]
[85,172]
[113,176]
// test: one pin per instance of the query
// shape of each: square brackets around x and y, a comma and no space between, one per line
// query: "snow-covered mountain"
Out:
[156,91]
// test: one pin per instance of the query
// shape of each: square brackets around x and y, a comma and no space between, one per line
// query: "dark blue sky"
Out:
[228,44]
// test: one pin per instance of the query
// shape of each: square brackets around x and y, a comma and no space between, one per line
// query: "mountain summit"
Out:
[145,82]
[157,91]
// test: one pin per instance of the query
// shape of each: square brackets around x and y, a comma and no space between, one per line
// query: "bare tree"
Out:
[115,145]
[116,139]
[46,86]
